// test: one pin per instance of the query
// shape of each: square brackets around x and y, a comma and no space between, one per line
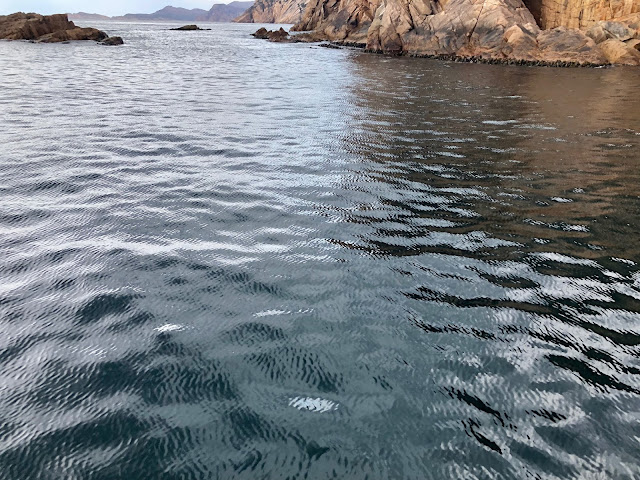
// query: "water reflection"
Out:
[271,261]
[505,201]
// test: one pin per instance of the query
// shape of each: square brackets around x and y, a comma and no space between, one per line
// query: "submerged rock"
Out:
[45,28]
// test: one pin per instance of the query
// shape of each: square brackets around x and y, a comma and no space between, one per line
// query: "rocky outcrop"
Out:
[273,35]
[45,29]
[500,30]
[189,28]
[274,11]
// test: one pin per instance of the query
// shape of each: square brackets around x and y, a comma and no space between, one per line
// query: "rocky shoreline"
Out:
[529,32]
[49,29]
[282,36]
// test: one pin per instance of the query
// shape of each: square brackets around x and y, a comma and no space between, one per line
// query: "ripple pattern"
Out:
[225,258]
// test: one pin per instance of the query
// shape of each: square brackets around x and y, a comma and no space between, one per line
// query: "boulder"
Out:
[634,43]
[261,33]
[112,41]
[280,35]
[619,52]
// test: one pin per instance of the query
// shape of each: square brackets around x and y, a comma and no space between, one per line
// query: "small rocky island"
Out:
[189,28]
[49,29]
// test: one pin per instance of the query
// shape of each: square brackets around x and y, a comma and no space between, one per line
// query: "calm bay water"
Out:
[226,258]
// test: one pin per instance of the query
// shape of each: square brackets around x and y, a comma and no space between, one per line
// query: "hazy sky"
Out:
[106,7]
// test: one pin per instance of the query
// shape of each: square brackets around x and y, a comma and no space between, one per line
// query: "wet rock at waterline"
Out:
[112,41]
[280,35]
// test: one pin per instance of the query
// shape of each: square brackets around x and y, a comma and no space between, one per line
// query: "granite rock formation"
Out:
[274,11]
[579,13]
[45,29]
[500,30]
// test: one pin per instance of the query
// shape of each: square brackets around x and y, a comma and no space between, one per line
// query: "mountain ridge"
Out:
[219,12]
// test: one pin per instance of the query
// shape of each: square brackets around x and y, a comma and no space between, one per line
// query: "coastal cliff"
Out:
[544,31]
[274,11]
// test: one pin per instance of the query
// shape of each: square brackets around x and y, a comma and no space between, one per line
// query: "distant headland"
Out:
[217,13]
[260,11]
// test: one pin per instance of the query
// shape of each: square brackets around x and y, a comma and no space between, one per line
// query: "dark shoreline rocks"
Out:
[49,29]
[272,35]
[189,28]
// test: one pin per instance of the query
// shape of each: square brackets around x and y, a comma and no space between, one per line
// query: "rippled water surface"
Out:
[226,258]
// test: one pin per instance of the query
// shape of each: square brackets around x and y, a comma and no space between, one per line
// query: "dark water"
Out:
[225,258]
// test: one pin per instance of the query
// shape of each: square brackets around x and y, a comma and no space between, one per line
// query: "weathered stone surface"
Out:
[619,52]
[579,13]
[45,28]
[339,19]
[73,34]
[501,30]
[273,11]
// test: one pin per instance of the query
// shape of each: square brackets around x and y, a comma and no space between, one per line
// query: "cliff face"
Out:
[274,11]
[538,31]
[579,13]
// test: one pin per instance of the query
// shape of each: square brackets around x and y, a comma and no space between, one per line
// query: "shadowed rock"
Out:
[272,35]
[112,41]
